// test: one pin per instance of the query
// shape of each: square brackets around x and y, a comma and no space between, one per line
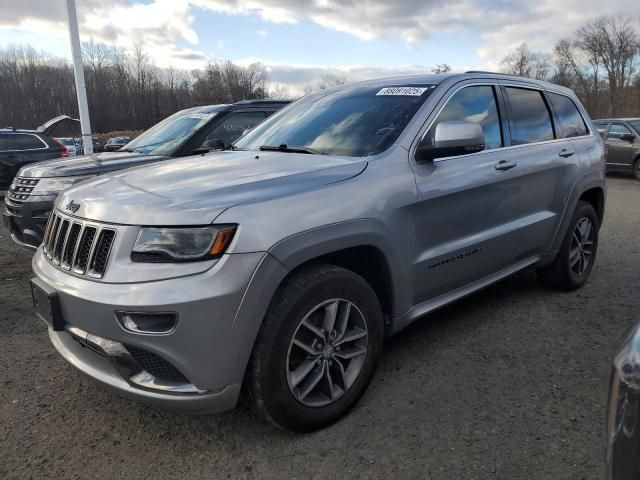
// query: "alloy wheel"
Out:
[581,251]
[327,353]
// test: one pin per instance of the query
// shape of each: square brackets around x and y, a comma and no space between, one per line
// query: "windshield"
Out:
[636,125]
[167,136]
[359,121]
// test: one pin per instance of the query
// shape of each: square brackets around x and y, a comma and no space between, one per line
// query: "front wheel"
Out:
[572,266]
[636,169]
[317,349]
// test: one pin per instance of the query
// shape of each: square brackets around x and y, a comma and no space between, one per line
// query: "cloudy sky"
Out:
[297,39]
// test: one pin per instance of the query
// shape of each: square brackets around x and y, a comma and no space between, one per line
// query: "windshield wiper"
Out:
[286,148]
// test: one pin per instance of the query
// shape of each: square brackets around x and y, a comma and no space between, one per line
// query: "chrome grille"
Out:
[21,189]
[77,246]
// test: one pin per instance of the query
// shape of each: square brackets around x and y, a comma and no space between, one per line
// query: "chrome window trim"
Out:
[525,145]
[495,83]
[25,149]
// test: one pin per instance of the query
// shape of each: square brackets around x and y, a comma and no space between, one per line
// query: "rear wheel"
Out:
[572,266]
[317,349]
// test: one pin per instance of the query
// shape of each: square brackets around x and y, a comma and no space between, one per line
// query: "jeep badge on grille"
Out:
[72,206]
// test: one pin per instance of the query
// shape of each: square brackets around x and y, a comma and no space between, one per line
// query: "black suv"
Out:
[622,137]
[187,132]
[21,147]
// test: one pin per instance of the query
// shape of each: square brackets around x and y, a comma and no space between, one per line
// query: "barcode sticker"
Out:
[411,91]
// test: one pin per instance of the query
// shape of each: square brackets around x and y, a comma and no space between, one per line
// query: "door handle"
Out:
[566,152]
[506,164]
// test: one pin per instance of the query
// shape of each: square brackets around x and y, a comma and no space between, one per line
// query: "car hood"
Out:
[195,190]
[87,164]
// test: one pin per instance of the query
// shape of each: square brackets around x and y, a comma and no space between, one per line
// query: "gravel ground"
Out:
[510,383]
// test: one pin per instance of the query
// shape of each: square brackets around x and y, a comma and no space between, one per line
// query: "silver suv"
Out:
[277,267]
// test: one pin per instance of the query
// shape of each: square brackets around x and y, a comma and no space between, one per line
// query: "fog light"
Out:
[150,323]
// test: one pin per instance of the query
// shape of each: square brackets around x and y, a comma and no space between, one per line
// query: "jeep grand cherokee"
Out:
[281,265]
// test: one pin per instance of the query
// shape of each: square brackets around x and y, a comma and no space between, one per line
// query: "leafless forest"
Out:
[128,92]
[599,62]
[125,90]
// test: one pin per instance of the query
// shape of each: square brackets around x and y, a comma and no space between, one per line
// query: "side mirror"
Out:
[450,139]
[208,145]
[627,137]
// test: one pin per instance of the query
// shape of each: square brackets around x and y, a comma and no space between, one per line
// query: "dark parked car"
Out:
[622,136]
[623,419]
[116,143]
[21,147]
[194,130]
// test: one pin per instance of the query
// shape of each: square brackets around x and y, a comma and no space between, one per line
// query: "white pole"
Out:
[78,71]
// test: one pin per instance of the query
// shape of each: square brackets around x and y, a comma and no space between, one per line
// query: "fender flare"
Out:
[369,232]
[293,251]
[590,180]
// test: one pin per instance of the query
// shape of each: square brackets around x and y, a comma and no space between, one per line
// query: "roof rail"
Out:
[490,73]
[261,100]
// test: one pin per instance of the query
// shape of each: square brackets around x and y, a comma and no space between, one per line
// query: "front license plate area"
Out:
[47,306]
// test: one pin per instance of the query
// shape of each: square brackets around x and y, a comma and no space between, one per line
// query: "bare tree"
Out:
[280,92]
[441,68]
[526,63]
[578,69]
[330,80]
[612,41]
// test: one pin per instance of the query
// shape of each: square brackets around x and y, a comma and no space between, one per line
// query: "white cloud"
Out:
[164,26]
[296,77]
[500,24]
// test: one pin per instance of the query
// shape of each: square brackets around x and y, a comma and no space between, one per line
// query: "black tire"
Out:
[268,374]
[636,169]
[560,274]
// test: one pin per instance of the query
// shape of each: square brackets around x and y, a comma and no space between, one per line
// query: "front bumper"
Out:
[27,221]
[209,345]
[107,371]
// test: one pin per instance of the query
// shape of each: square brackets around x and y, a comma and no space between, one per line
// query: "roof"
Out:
[437,78]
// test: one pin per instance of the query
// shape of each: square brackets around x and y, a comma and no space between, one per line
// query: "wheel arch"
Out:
[363,246]
[590,188]
[360,245]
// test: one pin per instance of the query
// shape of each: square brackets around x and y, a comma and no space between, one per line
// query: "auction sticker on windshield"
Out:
[412,91]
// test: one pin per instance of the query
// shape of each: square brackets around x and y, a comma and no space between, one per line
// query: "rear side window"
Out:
[20,141]
[530,119]
[571,122]
[617,130]
[473,104]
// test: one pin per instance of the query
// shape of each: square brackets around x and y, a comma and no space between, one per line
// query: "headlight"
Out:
[58,184]
[181,244]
